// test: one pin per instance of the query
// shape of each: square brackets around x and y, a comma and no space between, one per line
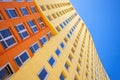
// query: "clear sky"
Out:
[102,18]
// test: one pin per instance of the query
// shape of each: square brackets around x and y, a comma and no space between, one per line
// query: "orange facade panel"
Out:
[22,32]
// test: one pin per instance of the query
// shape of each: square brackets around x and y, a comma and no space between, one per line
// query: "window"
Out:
[5,72]
[32,26]
[61,25]
[58,29]
[62,45]
[67,65]
[76,78]
[11,13]
[57,51]
[43,74]
[49,35]
[64,23]
[5,0]
[73,50]
[68,35]
[22,31]
[6,38]
[34,10]
[1,17]
[42,7]
[19,0]
[70,57]
[22,58]
[78,70]
[43,40]
[65,39]
[29,0]
[41,23]
[34,47]
[62,76]
[49,18]
[51,61]
[24,11]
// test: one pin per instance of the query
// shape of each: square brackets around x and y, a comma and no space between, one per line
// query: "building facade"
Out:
[46,40]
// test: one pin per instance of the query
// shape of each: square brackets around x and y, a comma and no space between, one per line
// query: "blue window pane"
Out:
[17,60]
[5,33]
[57,52]
[20,27]
[10,41]
[34,29]
[31,48]
[43,74]
[68,35]
[62,45]
[66,66]
[62,77]
[51,61]
[36,46]
[24,35]
[43,40]
[31,23]
[4,45]
[24,11]
[61,26]
[3,73]
[70,32]
[64,23]
[24,57]
[11,13]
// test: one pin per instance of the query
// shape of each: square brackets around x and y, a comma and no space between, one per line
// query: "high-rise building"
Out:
[46,40]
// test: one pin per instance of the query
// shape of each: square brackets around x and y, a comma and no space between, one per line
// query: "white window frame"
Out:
[40,23]
[18,0]
[10,68]
[5,0]
[46,70]
[20,59]
[33,45]
[53,63]
[26,10]
[31,27]
[15,12]
[22,30]
[4,39]
[42,38]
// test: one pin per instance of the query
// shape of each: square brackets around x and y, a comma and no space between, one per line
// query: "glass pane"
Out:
[51,61]
[17,60]
[31,48]
[5,33]
[10,41]
[24,34]
[36,46]
[34,29]
[24,11]
[24,57]
[31,23]
[57,52]
[43,74]
[4,45]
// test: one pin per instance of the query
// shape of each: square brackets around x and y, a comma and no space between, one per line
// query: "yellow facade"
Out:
[79,51]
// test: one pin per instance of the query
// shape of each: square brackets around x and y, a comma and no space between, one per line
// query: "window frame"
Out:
[31,7]
[10,68]
[33,48]
[34,26]
[8,13]
[21,31]
[25,9]
[41,71]
[20,59]
[4,39]
[42,38]
[52,65]
[59,51]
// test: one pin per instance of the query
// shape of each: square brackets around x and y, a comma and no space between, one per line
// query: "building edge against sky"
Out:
[46,40]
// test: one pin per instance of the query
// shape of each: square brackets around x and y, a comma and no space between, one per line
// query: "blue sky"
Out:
[102,18]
